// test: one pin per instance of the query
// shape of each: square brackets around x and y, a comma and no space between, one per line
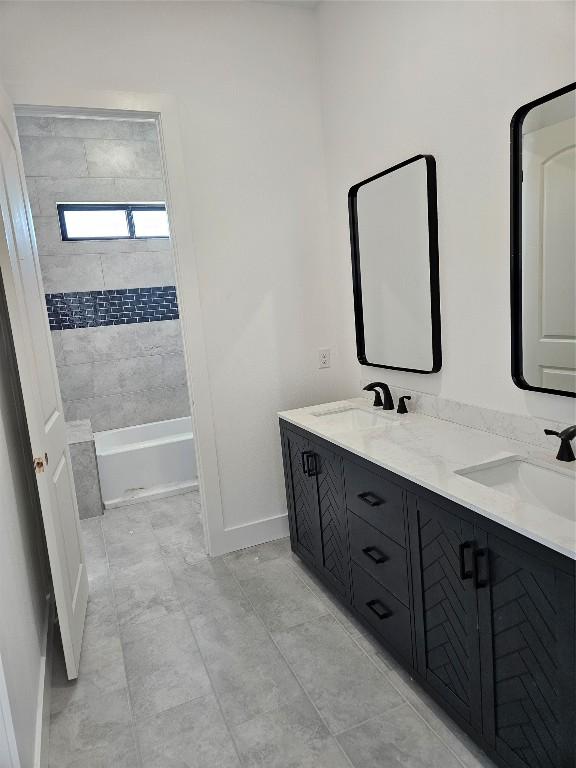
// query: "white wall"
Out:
[23,580]
[245,76]
[401,78]
[397,78]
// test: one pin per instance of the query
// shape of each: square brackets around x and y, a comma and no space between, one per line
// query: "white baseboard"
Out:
[249,534]
[158,492]
[44,689]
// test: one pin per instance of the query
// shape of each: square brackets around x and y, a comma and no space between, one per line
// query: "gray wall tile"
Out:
[96,128]
[174,370]
[50,191]
[112,377]
[147,269]
[125,410]
[123,158]
[116,342]
[35,126]
[50,156]
[74,272]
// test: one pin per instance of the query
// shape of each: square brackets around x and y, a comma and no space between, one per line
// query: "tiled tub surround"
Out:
[122,375]
[115,375]
[88,309]
[84,468]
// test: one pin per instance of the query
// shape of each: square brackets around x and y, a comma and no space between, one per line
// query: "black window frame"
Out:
[128,208]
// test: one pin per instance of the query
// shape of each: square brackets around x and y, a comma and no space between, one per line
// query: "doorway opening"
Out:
[99,204]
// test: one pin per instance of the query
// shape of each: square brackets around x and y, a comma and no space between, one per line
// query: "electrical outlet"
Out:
[324,358]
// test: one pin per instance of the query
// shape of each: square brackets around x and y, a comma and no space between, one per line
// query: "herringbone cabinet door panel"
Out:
[304,498]
[526,663]
[450,640]
[332,516]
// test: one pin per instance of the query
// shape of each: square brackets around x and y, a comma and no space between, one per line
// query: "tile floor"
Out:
[243,660]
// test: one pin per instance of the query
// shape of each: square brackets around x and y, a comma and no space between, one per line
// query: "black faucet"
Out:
[566,452]
[402,404]
[388,404]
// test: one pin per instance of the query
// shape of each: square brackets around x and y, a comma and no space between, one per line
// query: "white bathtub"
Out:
[147,461]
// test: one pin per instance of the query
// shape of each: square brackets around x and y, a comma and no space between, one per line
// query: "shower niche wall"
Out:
[112,303]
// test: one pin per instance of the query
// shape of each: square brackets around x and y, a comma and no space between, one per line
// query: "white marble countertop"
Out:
[429,451]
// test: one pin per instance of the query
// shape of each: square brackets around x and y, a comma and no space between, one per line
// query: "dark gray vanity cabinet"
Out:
[316,510]
[482,617]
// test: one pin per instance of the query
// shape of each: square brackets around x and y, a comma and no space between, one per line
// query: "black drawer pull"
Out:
[378,608]
[481,555]
[374,554]
[371,499]
[466,573]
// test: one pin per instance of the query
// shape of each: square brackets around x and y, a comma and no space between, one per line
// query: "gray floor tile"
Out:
[192,735]
[291,737]
[470,755]
[129,536]
[164,667]
[330,602]
[94,547]
[101,623]
[399,738]
[248,673]
[279,596]
[342,682]
[101,671]
[95,733]
[207,589]
[245,562]
[144,591]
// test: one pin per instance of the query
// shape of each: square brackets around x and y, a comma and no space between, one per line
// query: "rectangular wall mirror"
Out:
[543,243]
[394,239]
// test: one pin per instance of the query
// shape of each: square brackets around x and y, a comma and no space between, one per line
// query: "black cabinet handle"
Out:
[309,464]
[374,554]
[371,499]
[481,561]
[466,573]
[378,608]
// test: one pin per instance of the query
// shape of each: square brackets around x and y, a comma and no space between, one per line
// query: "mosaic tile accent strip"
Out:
[88,309]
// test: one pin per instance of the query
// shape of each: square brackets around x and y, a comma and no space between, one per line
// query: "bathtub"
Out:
[146,461]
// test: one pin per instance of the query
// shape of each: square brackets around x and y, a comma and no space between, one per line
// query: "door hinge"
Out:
[40,463]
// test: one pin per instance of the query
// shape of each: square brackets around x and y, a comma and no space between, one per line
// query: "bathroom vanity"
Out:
[419,526]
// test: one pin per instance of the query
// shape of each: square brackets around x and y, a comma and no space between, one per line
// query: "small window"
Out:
[117,221]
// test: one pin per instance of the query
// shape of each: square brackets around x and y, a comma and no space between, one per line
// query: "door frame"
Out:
[64,100]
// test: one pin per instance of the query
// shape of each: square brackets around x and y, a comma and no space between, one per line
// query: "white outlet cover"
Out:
[324,358]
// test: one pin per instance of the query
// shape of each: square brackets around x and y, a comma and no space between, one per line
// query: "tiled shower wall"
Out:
[115,375]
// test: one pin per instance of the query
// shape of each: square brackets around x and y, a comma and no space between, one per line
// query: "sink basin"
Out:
[550,488]
[349,418]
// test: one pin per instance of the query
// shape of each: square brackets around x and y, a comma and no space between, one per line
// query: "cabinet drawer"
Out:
[389,618]
[382,558]
[376,500]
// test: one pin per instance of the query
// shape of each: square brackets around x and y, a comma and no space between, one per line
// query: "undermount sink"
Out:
[550,488]
[348,418]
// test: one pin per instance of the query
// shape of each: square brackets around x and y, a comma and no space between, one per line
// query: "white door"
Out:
[549,237]
[37,369]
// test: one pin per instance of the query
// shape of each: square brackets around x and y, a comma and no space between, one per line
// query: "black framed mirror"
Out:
[394,242]
[543,243]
